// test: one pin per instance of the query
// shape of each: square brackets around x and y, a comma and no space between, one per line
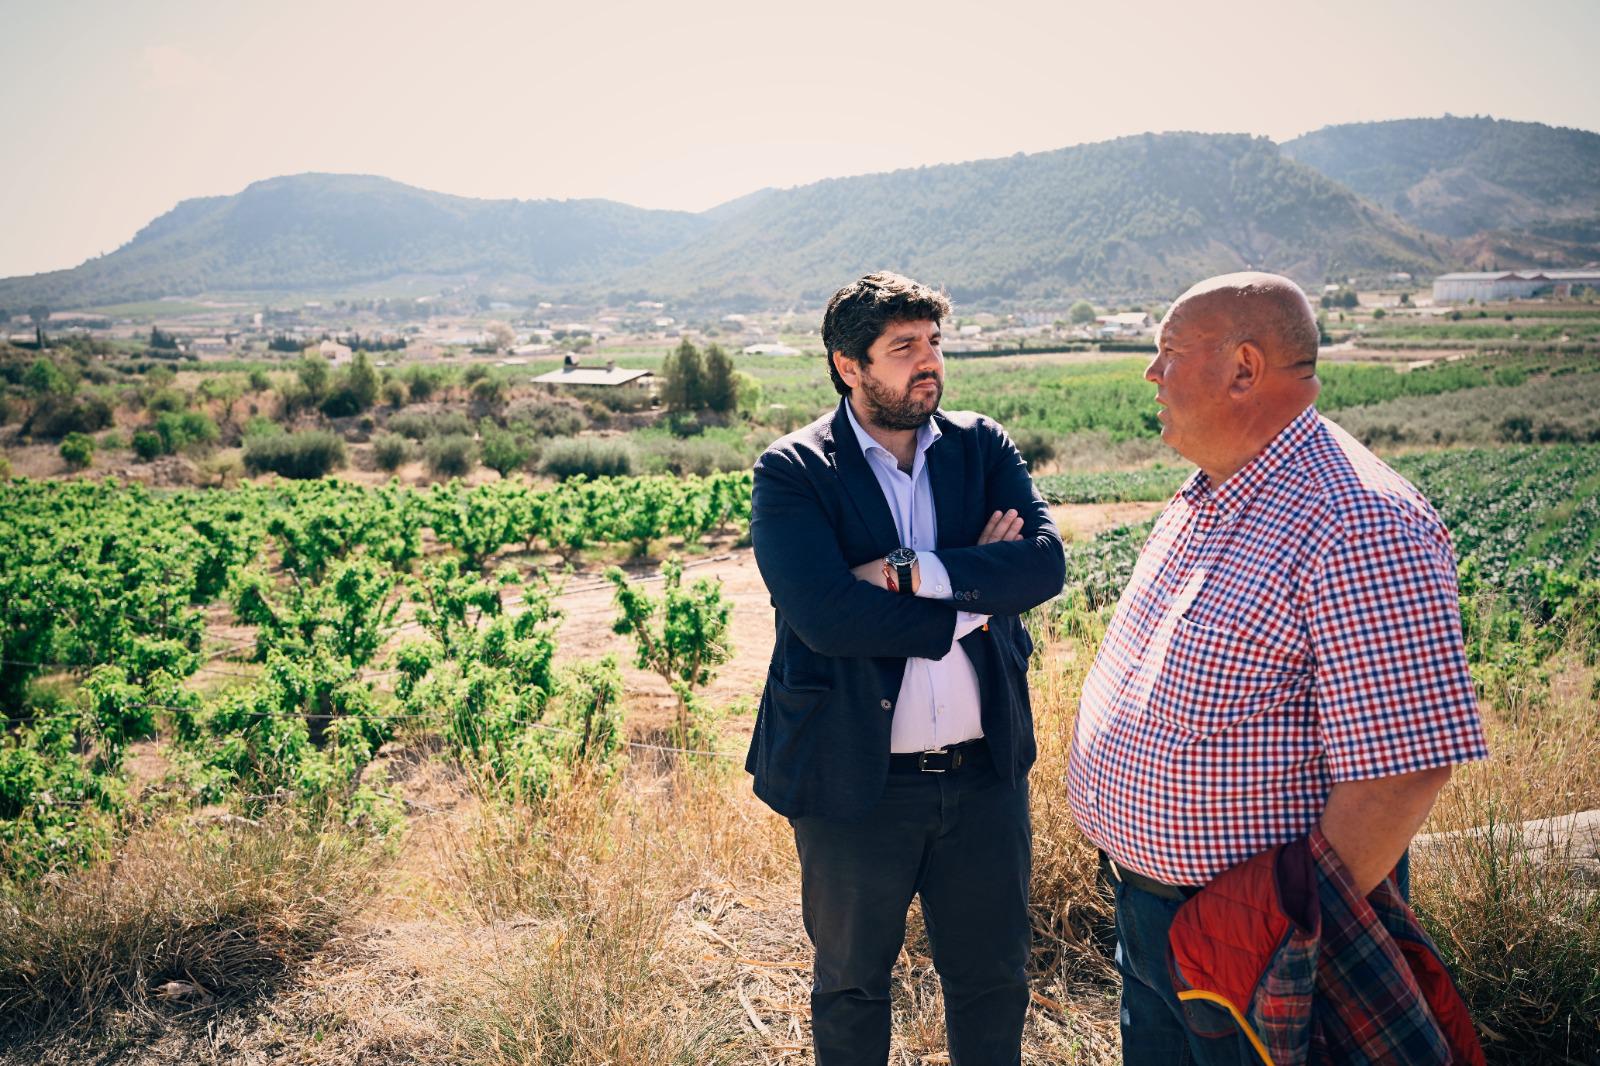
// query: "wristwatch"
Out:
[897,569]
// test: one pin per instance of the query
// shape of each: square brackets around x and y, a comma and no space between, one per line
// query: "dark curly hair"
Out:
[860,312]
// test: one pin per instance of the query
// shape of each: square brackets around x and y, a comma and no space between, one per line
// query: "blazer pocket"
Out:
[791,707]
[791,741]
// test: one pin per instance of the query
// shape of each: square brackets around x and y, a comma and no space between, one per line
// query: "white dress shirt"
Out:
[938,703]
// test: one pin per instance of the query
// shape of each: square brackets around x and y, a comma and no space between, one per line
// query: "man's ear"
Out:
[849,370]
[1249,368]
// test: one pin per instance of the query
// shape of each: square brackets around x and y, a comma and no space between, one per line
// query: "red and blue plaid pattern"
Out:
[1369,1006]
[1296,626]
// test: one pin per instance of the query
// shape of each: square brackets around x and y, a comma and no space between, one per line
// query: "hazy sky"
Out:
[110,113]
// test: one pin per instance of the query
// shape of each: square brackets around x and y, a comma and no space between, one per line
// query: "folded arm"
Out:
[1009,576]
[797,552]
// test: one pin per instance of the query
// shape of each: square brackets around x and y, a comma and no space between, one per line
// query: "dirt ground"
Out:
[373,995]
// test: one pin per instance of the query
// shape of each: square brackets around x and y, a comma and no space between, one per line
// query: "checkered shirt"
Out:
[1297,626]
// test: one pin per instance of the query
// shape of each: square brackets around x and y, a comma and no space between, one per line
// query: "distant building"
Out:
[332,351]
[1511,284]
[209,345]
[769,349]
[612,376]
[1124,324]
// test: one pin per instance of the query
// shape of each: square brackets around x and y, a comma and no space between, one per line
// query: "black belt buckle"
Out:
[922,760]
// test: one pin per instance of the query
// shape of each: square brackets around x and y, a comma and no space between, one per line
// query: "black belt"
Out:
[1115,871]
[937,760]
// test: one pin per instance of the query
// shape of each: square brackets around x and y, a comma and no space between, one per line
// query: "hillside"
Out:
[332,230]
[1133,217]
[1140,215]
[1461,176]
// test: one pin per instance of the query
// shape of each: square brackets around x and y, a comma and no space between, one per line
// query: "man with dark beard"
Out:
[900,542]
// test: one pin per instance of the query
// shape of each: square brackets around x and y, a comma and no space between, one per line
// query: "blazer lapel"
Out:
[861,486]
[945,474]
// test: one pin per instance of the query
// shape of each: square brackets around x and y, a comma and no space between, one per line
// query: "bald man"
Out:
[1288,653]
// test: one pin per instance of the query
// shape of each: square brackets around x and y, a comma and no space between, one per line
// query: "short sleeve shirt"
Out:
[1294,627]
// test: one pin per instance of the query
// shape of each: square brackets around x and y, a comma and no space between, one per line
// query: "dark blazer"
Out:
[821,742]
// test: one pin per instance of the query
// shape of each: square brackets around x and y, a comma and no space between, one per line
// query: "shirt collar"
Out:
[927,433]
[1247,481]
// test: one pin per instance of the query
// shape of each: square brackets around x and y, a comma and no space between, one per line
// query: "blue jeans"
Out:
[962,842]
[1158,1029]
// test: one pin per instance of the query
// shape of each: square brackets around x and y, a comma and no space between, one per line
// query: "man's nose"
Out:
[1152,369]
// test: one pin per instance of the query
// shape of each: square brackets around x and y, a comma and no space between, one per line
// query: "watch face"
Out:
[901,557]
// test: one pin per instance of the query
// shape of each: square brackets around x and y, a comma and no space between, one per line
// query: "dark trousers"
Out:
[1154,1030]
[1159,1029]
[962,842]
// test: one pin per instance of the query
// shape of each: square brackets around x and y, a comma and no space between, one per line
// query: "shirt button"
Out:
[885,704]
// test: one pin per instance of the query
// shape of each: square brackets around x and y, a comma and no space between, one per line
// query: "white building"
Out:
[1124,324]
[332,351]
[1511,284]
[612,376]
[769,349]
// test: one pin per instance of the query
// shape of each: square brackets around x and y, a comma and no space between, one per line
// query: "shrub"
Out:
[354,390]
[503,451]
[259,381]
[698,456]
[7,410]
[422,383]
[390,451]
[309,454]
[57,416]
[78,450]
[186,430]
[747,392]
[588,456]
[546,420]
[416,426]
[490,391]
[147,445]
[5,468]
[165,399]
[419,426]
[452,455]
[1036,446]
[261,427]
[394,393]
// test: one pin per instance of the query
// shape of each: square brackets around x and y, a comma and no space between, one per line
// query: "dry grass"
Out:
[182,917]
[1518,919]
[655,919]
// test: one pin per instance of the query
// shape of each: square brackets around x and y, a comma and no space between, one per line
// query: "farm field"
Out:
[404,771]
[326,746]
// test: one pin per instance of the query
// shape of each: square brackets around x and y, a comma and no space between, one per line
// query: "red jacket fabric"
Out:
[1282,947]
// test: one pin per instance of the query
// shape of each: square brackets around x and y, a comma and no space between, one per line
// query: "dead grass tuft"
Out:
[182,917]
[1516,912]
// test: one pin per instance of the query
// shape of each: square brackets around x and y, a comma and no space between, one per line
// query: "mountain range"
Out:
[1138,216]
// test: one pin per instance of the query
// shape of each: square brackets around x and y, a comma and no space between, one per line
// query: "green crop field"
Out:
[252,698]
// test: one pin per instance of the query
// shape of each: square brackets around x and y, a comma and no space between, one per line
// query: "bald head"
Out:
[1236,361]
[1268,310]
